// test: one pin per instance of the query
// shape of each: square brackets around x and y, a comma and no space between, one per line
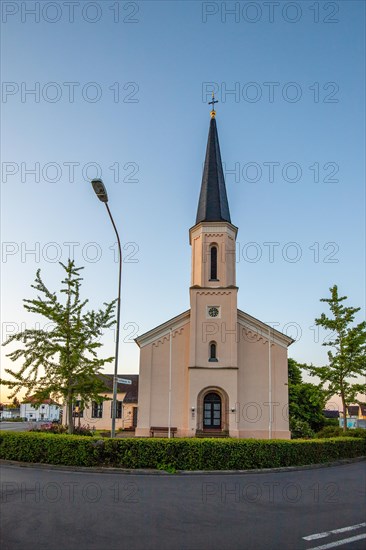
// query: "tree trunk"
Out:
[344,414]
[71,421]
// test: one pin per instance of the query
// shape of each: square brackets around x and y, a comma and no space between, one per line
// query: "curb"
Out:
[106,470]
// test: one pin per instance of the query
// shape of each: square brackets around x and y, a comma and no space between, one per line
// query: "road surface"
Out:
[53,509]
[18,426]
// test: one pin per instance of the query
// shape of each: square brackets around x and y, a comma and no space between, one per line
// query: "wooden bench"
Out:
[162,430]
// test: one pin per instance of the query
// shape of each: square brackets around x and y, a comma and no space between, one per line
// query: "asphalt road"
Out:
[52,509]
[17,426]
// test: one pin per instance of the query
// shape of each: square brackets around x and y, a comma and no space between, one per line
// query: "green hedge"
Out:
[175,454]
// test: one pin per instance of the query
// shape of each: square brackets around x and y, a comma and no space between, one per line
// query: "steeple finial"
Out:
[213,112]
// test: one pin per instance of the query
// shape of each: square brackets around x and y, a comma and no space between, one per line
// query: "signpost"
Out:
[124,381]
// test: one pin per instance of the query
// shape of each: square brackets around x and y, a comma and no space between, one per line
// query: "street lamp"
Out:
[102,195]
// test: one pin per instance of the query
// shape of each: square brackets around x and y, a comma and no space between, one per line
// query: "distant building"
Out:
[356,416]
[331,414]
[9,412]
[353,411]
[47,410]
[99,415]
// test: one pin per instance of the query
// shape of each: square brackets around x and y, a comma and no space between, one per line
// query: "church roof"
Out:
[213,205]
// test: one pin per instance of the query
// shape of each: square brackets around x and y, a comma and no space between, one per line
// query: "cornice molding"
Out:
[254,330]
[213,289]
[213,228]
[164,329]
[216,292]
[215,368]
[166,337]
[253,326]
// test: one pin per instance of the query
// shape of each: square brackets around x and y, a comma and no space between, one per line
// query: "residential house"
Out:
[356,416]
[7,413]
[331,414]
[99,415]
[33,410]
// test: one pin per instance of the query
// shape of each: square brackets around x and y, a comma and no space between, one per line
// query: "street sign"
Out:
[124,381]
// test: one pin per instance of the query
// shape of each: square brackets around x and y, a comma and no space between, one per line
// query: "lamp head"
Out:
[100,190]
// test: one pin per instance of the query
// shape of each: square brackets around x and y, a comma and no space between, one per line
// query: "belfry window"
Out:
[213,352]
[213,266]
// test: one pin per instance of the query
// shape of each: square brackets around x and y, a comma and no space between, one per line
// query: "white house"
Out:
[8,413]
[48,410]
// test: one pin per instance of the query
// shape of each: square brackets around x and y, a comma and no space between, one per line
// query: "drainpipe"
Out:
[170,384]
[269,384]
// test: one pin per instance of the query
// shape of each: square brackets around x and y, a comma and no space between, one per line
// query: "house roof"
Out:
[131,390]
[213,205]
[32,399]
[331,414]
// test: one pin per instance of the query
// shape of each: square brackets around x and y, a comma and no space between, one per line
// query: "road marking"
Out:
[335,531]
[338,542]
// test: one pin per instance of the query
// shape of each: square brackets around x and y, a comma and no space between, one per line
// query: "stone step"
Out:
[212,433]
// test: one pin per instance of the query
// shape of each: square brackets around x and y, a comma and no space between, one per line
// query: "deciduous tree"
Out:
[346,371]
[61,362]
[306,400]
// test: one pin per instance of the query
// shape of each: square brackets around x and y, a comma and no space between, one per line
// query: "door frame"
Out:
[224,408]
[212,403]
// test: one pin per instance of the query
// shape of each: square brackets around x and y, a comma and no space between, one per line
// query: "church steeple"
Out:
[213,291]
[213,205]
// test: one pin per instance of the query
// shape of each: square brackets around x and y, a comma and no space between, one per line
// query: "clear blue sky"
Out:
[293,130]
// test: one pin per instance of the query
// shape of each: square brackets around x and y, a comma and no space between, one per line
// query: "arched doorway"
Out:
[212,411]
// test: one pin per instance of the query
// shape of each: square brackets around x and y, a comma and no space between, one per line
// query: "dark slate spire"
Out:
[213,205]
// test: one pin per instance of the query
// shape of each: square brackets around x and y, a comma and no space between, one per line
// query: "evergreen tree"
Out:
[61,362]
[347,360]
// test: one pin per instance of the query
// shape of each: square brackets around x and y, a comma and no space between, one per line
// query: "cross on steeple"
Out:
[213,112]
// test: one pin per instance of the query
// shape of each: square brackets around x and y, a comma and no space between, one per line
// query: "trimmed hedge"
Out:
[175,454]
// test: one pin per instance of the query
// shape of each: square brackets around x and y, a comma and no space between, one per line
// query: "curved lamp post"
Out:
[102,195]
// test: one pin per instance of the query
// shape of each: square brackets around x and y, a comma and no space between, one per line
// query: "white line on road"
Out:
[338,542]
[335,531]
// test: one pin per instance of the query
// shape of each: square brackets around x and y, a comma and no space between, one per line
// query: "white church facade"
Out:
[213,370]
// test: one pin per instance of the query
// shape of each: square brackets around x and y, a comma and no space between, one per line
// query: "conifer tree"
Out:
[62,362]
[347,360]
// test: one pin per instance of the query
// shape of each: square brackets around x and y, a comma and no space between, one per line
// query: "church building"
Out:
[213,370]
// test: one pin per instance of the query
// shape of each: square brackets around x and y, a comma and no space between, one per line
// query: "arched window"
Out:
[213,352]
[213,266]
